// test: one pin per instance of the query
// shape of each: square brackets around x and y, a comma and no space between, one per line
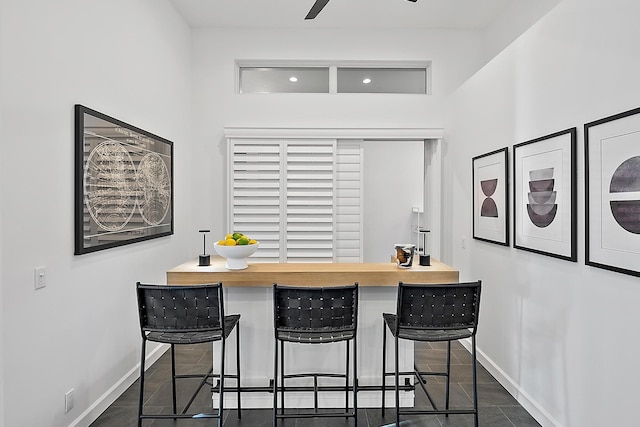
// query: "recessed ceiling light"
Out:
[366,81]
[293,79]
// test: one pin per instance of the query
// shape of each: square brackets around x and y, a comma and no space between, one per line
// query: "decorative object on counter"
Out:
[404,254]
[123,183]
[236,255]
[544,195]
[420,232]
[236,248]
[491,197]
[236,239]
[205,258]
[612,192]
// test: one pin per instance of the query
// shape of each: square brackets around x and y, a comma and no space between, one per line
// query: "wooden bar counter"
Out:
[310,274]
[249,292]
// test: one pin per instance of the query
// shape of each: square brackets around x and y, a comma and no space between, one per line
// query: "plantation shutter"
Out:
[309,200]
[299,198]
[348,235]
[255,194]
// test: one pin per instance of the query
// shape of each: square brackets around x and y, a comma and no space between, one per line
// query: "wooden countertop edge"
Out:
[310,274]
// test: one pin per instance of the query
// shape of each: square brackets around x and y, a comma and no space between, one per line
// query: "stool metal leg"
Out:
[315,394]
[173,378]
[475,383]
[238,367]
[448,376]
[355,380]
[397,376]
[275,383]
[141,401]
[384,359]
[282,377]
[346,379]
[221,402]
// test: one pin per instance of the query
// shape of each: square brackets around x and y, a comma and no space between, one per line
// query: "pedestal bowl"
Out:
[236,255]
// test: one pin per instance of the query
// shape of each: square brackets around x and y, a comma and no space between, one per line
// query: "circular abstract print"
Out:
[154,184]
[109,186]
[625,188]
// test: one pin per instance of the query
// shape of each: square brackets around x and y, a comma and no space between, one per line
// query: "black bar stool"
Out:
[186,315]
[425,312]
[307,315]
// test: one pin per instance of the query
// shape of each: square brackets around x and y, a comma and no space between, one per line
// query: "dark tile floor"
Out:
[497,407]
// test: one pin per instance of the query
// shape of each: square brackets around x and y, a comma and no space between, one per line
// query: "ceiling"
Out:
[440,14]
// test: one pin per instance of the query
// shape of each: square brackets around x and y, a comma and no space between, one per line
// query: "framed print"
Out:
[491,197]
[123,183]
[544,195]
[612,192]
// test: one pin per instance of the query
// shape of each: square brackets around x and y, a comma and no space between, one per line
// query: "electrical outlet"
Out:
[464,242]
[39,277]
[68,401]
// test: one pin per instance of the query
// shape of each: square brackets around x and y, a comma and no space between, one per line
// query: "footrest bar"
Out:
[269,389]
[177,416]
[195,393]
[438,412]
[318,415]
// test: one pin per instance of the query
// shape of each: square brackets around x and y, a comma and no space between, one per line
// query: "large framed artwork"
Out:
[123,183]
[491,197]
[612,192]
[544,195]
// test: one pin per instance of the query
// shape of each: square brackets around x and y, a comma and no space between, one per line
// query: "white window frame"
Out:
[433,155]
[333,67]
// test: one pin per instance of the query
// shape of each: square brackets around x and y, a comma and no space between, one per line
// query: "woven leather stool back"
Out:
[180,308]
[441,307]
[299,308]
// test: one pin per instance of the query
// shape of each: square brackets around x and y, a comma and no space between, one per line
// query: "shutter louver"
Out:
[256,195]
[348,241]
[309,201]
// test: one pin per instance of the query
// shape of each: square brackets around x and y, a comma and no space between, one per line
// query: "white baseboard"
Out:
[99,406]
[524,399]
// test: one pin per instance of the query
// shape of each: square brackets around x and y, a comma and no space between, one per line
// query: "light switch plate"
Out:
[39,277]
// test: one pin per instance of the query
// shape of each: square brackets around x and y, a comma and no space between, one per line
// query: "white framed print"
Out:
[491,197]
[544,195]
[612,192]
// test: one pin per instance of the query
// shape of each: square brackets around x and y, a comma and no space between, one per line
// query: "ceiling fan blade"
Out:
[413,0]
[316,8]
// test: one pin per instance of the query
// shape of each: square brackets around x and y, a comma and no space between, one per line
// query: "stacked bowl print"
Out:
[542,206]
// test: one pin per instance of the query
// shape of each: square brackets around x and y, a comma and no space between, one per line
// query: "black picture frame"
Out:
[545,195]
[612,192]
[490,175]
[123,183]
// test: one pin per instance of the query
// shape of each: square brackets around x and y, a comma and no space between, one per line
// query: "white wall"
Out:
[126,59]
[393,172]
[561,335]
[1,245]
[516,19]
[455,56]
